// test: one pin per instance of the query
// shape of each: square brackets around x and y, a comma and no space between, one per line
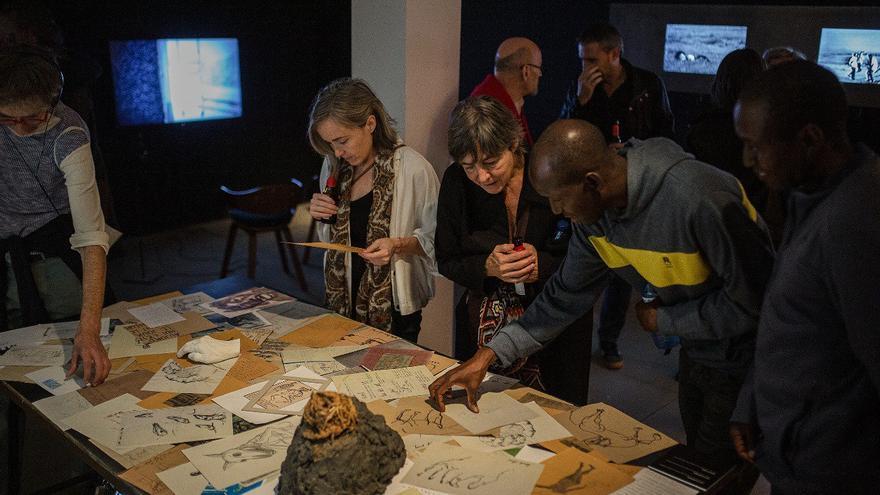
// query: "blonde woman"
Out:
[387,202]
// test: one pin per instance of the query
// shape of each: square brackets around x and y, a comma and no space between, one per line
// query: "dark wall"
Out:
[168,175]
[553,25]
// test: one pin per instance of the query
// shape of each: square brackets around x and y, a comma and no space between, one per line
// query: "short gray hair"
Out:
[481,126]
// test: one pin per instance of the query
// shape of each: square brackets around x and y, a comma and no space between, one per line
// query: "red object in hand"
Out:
[331,190]
[518,244]
[615,131]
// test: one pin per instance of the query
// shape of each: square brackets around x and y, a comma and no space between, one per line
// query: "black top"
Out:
[640,104]
[471,222]
[358,220]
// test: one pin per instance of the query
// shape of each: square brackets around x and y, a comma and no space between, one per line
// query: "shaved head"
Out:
[514,52]
[565,152]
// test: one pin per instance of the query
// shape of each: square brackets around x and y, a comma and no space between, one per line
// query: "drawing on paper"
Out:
[600,436]
[185,399]
[516,434]
[138,428]
[266,444]
[412,418]
[283,393]
[391,361]
[571,482]
[454,473]
[176,373]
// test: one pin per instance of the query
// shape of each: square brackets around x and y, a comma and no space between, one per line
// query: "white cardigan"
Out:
[413,214]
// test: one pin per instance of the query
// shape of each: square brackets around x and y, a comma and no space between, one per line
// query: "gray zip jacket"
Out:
[688,230]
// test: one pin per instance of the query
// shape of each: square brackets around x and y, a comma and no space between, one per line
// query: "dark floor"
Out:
[645,388]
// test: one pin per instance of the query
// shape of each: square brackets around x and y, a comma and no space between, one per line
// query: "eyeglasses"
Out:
[30,120]
[540,69]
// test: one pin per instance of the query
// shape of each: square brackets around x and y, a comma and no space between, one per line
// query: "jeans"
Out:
[706,398]
[614,307]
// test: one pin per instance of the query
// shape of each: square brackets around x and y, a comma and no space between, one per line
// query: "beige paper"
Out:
[456,470]
[386,384]
[17,373]
[321,332]
[552,405]
[579,473]
[246,456]
[101,423]
[58,407]
[247,301]
[617,436]
[189,302]
[282,325]
[184,479]
[293,354]
[438,364]
[388,358]
[40,356]
[541,428]
[124,344]
[133,457]
[413,415]
[284,395]
[416,443]
[144,476]
[157,298]
[496,409]
[172,425]
[155,315]
[192,323]
[195,379]
[328,245]
[322,368]
[129,383]
[367,336]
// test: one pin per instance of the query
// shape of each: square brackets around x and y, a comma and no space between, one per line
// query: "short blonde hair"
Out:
[483,126]
[350,102]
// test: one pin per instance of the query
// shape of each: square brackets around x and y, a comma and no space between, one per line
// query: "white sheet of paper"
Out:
[246,456]
[100,422]
[386,384]
[37,334]
[310,354]
[541,428]
[283,325]
[189,302]
[173,425]
[196,379]
[531,454]
[156,315]
[247,301]
[235,401]
[58,407]
[415,442]
[397,487]
[320,367]
[496,409]
[123,344]
[184,479]
[458,470]
[41,355]
[648,482]
[54,380]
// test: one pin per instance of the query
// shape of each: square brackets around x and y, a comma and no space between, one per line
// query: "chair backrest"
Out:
[265,200]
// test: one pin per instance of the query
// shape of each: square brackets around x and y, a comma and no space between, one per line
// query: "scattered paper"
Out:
[285,395]
[58,407]
[413,415]
[416,443]
[531,454]
[321,332]
[576,472]
[184,479]
[42,355]
[246,302]
[129,383]
[541,428]
[648,482]
[155,315]
[387,358]
[237,400]
[386,384]
[496,409]
[438,364]
[134,456]
[617,436]
[322,368]
[368,336]
[54,380]
[44,332]
[309,354]
[329,246]
[246,456]
[172,425]
[124,344]
[546,401]
[144,476]
[457,470]
[196,379]
[189,302]
[100,422]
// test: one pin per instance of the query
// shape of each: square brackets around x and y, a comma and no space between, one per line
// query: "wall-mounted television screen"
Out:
[167,81]
[853,55]
[699,48]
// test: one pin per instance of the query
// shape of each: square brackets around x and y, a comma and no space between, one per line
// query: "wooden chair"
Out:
[264,209]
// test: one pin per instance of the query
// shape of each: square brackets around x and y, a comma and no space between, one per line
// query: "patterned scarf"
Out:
[374,300]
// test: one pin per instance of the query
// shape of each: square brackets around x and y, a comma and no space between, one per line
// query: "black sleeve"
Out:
[453,260]
[571,109]
[662,117]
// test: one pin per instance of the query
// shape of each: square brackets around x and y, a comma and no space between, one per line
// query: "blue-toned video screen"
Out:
[699,48]
[167,81]
[853,55]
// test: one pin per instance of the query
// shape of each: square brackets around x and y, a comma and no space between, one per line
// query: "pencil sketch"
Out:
[172,425]
[453,472]
[43,355]
[599,435]
[266,444]
[410,419]
[284,395]
[197,379]
[571,482]
[189,302]
[185,399]
[513,435]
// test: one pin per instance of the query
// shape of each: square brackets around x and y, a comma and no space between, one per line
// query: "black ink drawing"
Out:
[512,435]
[601,436]
[175,373]
[570,482]
[267,444]
[412,418]
[178,419]
[453,473]
[158,430]
[185,399]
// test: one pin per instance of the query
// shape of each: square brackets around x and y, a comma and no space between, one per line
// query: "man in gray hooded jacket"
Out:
[654,216]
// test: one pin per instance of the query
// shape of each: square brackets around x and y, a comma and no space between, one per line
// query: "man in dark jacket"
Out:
[808,417]
[612,94]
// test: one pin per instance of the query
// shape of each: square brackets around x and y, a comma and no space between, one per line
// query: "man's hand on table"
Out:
[469,375]
[87,347]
